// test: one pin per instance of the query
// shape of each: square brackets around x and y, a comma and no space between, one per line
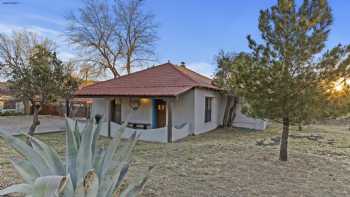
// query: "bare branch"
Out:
[114,35]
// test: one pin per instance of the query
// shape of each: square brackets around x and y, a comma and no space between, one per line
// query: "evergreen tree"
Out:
[280,78]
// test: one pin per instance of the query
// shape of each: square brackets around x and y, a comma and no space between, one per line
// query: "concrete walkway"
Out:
[20,124]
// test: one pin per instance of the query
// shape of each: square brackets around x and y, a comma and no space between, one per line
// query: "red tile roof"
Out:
[163,80]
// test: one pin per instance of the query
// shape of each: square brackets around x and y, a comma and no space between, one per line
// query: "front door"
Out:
[160,107]
[116,111]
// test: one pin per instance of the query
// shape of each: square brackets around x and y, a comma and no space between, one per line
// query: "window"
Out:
[116,111]
[10,104]
[208,107]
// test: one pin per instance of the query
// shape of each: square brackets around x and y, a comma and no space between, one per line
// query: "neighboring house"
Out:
[8,103]
[79,107]
[165,103]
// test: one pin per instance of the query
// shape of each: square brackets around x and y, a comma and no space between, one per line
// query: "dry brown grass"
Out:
[227,162]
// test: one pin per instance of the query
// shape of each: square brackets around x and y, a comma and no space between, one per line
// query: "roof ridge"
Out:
[196,73]
[183,74]
[156,86]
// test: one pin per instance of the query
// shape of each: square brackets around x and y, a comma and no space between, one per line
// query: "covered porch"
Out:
[152,117]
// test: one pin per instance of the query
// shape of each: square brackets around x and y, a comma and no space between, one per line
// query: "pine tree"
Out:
[280,78]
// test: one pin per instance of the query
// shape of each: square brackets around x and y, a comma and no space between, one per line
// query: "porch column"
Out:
[108,116]
[170,119]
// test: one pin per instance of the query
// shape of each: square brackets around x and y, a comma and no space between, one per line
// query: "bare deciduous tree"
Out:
[113,36]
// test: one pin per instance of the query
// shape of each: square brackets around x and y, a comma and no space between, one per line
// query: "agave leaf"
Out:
[18,188]
[84,156]
[114,174]
[49,155]
[69,189]
[110,153]
[121,176]
[71,150]
[49,186]
[26,170]
[80,190]
[124,152]
[91,184]
[98,159]
[134,189]
[113,178]
[29,153]
[89,187]
[77,132]
[95,138]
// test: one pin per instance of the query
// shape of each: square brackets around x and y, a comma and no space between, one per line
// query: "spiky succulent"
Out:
[88,170]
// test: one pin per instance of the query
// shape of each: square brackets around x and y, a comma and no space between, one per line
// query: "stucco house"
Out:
[165,103]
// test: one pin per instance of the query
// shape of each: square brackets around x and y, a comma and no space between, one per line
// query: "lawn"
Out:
[228,162]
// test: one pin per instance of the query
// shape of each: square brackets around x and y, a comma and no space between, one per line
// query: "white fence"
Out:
[149,135]
[243,121]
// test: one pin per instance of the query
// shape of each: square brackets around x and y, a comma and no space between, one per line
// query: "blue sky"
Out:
[192,31]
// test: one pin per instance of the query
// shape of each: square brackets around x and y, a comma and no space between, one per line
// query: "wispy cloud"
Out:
[41,18]
[64,51]
[203,68]
[42,31]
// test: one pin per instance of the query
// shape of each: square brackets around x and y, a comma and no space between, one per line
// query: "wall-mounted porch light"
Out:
[134,103]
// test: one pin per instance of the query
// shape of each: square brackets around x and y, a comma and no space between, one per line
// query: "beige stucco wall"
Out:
[142,115]
[200,126]
[183,110]
[99,107]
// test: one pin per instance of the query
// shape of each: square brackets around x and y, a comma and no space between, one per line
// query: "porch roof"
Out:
[163,80]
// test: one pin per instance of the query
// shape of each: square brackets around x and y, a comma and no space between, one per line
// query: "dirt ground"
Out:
[228,162]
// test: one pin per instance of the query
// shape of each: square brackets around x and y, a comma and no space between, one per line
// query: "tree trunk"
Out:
[128,64]
[284,140]
[26,106]
[35,123]
[114,72]
[67,107]
[230,111]
[300,127]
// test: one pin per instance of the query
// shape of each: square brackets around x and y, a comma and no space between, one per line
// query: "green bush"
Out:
[10,113]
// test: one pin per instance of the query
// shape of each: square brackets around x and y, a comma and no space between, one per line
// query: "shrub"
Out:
[10,113]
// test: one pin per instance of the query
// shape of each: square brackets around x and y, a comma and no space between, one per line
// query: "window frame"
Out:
[208,108]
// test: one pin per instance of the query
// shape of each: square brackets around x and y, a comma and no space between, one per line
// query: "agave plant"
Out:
[88,170]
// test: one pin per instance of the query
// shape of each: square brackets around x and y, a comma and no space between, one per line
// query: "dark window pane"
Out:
[10,105]
[208,107]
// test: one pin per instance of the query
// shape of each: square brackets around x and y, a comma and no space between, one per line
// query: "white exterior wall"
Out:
[142,115]
[243,121]
[99,106]
[200,126]
[183,110]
